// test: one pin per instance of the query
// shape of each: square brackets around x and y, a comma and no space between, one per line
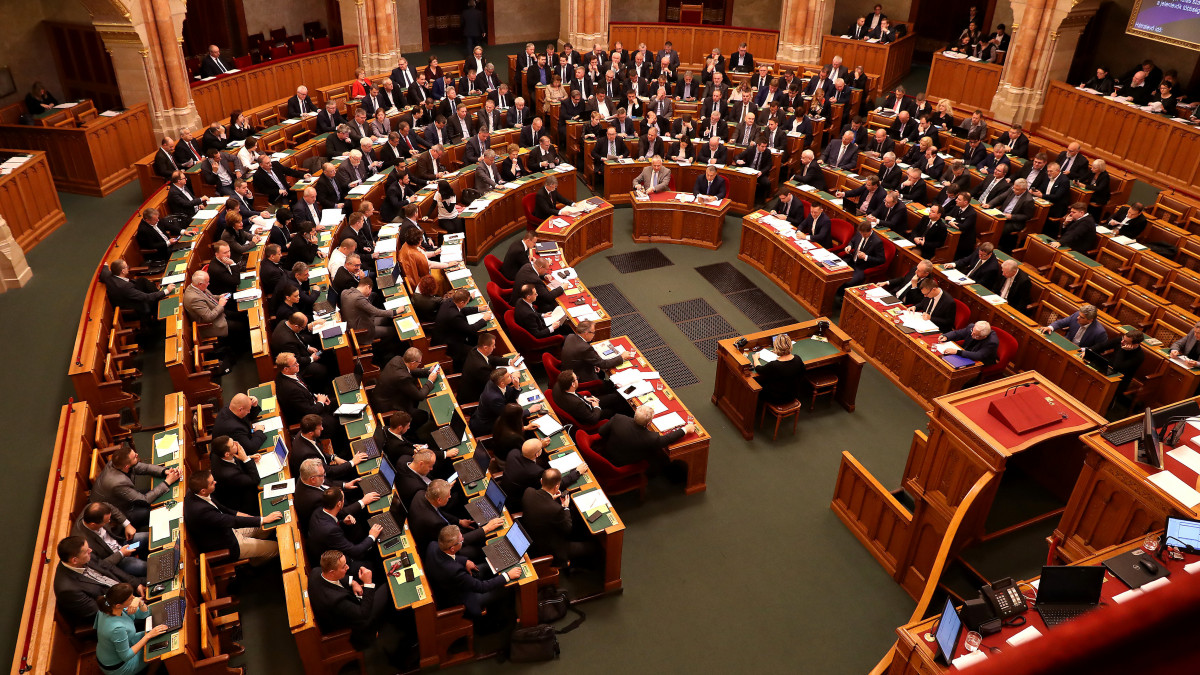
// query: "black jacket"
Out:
[335,607]
[624,442]
[239,429]
[210,528]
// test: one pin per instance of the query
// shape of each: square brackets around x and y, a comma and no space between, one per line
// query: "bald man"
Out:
[237,421]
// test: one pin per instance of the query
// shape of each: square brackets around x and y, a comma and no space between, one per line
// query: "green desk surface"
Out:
[348,397]
[441,407]
[175,267]
[405,593]
[168,306]
[384,503]
[1082,257]
[398,544]
[558,441]
[811,350]
[167,586]
[603,522]
[1063,342]
[247,283]
[269,440]
[262,391]
[333,342]
[264,481]
[461,283]
[167,540]
[359,427]
[367,467]
[266,508]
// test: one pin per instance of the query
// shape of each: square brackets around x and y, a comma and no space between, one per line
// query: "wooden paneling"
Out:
[94,159]
[1152,147]
[966,83]
[272,81]
[891,61]
[84,67]
[693,42]
[873,515]
[29,202]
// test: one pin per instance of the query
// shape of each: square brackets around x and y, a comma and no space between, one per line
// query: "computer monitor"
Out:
[949,627]
[1149,451]
[1182,533]
[518,538]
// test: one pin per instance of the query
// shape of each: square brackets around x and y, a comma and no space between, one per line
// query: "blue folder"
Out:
[958,361]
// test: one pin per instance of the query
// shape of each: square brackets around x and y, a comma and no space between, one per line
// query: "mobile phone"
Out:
[595,516]
[133,546]
[279,500]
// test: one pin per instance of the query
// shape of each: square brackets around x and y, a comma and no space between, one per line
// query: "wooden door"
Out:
[84,68]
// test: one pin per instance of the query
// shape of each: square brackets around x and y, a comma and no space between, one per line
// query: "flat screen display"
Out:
[948,629]
[1175,22]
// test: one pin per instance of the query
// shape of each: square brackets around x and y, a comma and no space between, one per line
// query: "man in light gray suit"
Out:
[486,173]
[1188,347]
[662,105]
[654,178]
[115,485]
[204,307]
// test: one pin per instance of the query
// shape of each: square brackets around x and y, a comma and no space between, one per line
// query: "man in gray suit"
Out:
[115,485]
[106,531]
[360,315]
[486,173]
[654,178]
[1188,347]
[203,307]
[579,355]
[80,578]
[661,104]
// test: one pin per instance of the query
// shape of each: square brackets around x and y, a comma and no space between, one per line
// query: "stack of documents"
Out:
[958,277]
[161,519]
[331,218]
[914,321]
[557,314]
[668,422]
[455,275]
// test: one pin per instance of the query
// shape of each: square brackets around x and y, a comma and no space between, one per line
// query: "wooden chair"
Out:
[822,383]
[218,631]
[454,636]
[779,412]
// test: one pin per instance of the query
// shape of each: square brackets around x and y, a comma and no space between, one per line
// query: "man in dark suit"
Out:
[865,251]
[527,315]
[863,199]
[187,152]
[428,514]
[758,157]
[1082,328]
[580,356]
[180,200]
[477,369]
[212,526]
[907,288]
[414,474]
[937,305]
[1055,188]
[1078,229]
[326,531]
[296,400]
[1073,164]
[112,538]
[549,201]
[787,207]
[300,104]
[963,216]
[238,420]
[1016,142]
[518,254]
[125,294]
[156,236]
[307,444]
[843,153]
[329,119]
[1128,221]
[81,577]
[271,179]
[903,128]
[535,274]
[453,576]
[712,186]
[1018,207]
[398,389]
[429,166]
[587,409]
[880,143]
[896,102]
[270,272]
[452,328]
[981,265]
[293,337]
[816,227]
[713,152]
[543,156]
[994,190]
[809,172]
[548,518]
[629,440]
[980,343]
[523,469]
[1013,285]
[338,605]
[890,213]
[403,75]
[236,475]
[164,162]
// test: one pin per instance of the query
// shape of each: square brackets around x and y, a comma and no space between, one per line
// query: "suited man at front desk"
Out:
[212,526]
[1013,285]
[809,171]
[1078,229]
[552,524]
[628,440]
[979,342]
[864,251]
[936,305]
[458,581]
[548,201]
[339,604]
[981,265]
[270,180]
[300,104]
[711,187]
[817,226]
[908,287]
[1082,328]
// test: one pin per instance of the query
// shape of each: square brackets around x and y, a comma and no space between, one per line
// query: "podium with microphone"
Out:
[1023,409]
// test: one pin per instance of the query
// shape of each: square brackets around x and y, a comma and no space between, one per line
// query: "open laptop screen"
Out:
[496,496]
[1063,585]
[519,540]
[385,468]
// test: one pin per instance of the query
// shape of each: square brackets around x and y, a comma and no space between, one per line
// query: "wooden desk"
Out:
[693,41]
[583,235]
[968,83]
[505,214]
[692,449]
[907,360]
[1113,501]
[1153,147]
[577,299]
[784,261]
[892,61]
[662,218]
[28,199]
[272,80]
[619,177]
[736,389]
[94,159]
[953,475]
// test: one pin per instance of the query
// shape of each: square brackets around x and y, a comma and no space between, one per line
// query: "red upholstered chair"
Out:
[321,43]
[553,367]
[614,479]
[566,418]
[840,230]
[280,51]
[525,342]
[492,263]
[880,272]
[242,62]
[962,314]
[498,298]
[528,202]
[301,47]
[1004,355]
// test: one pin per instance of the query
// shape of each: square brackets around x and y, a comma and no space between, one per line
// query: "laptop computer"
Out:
[387,521]
[1065,592]
[1096,360]
[489,505]
[380,482]
[322,308]
[450,435]
[386,280]
[162,565]
[468,471]
[169,613]
[505,552]
[366,446]
[273,462]
[349,382]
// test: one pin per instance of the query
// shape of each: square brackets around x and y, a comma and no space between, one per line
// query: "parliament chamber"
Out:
[384,342]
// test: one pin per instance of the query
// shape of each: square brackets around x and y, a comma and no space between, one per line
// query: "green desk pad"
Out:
[441,407]
[269,440]
[810,350]
[168,306]
[167,540]
[398,544]
[359,427]
[261,391]
[1082,257]
[558,441]
[981,290]
[461,283]
[175,267]
[266,508]
[1063,342]
[384,503]
[332,343]
[405,593]
[167,587]
[348,397]
[603,522]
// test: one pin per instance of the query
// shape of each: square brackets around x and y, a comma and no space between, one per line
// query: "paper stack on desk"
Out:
[567,462]
[452,254]
[407,324]
[359,190]
[389,230]
[399,302]
[166,447]
[205,214]
[668,422]
[914,321]
[591,500]
[684,198]
[1176,488]
[160,521]
[958,277]
[767,356]
[331,217]
[385,245]
[547,425]
[458,274]
[248,294]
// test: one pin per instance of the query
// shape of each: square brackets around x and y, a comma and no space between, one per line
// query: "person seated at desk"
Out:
[925,129]
[991,162]
[1135,90]
[112,538]
[980,343]
[1124,354]
[809,171]
[1098,182]
[180,200]
[549,202]
[711,187]
[220,322]
[552,526]
[1015,142]
[682,150]
[527,315]
[430,510]
[293,335]
[119,643]
[270,272]
[115,484]
[816,227]
[628,440]
[981,265]
[270,180]
[499,391]
[654,178]
[930,233]
[787,207]
[1013,285]
[456,580]
[300,104]
[39,99]
[842,154]
[782,377]
[864,198]
[390,438]
[340,605]
[1082,328]
[865,250]
[994,192]
[937,305]
[187,152]
[138,296]
[523,469]
[81,577]
[1078,230]
[1128,221]
[238,420]
[903,128]
[713,152]
[890,213]
[580,356]
[908,287]
[237,240]
[329,119]
[237,473]
[397,387]
[415,472]
[589,409]
[452,328]
[1101,82]
[327,530]
[911,189]
[543,156]
[212,526]
[1188,347]
[477,368]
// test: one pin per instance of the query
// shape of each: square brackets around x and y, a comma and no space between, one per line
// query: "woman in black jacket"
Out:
[780,378]
[425,300]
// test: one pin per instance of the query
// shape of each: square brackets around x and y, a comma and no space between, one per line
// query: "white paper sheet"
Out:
[567,462]
[1177,489]
[283,487]
[1030,633]
[668,422]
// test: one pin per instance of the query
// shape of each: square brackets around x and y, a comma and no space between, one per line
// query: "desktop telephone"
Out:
[996,605]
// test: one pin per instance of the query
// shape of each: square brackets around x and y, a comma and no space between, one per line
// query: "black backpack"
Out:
[540,643]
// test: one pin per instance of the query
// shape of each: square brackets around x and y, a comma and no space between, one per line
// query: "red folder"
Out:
[1025,410]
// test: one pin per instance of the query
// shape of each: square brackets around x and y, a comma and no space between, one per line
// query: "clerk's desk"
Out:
[955,472]
[661,217]
[736,388]
[1114,501]
[913,653]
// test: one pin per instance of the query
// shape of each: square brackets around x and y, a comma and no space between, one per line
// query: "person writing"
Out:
[980,343]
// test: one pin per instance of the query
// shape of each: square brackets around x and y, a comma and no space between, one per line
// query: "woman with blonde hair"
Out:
[943,116]
[780,374]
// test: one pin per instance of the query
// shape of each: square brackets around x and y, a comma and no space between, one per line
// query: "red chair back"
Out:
[841,230]
[613,479]
[528,201]
[301,47]
[279,52]
[962,314]
[492,263]
[525,342]
[879,272]
[1004,353]
[552,365]
[498,299]
[279,34]
[241,62]
[321,43]
[566,418]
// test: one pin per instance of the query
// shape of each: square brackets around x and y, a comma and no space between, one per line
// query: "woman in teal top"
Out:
[119,644]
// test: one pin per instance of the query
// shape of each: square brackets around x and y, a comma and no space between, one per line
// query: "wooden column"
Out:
[1045,35]
[801,25]
[14,271]
[585,23]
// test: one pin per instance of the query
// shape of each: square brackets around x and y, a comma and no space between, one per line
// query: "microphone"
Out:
[1016,387]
